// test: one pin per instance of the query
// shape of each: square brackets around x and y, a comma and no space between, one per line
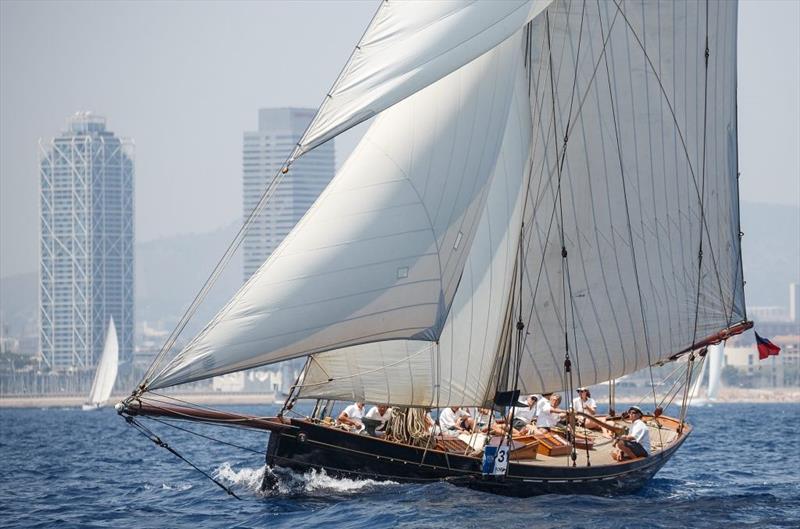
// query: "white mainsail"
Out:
[399,279]
[106,373]
[649,166]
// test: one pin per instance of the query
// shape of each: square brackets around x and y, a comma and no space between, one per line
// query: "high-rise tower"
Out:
[264,152]
[86,269]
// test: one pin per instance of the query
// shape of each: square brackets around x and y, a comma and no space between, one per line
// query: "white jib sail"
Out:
[106,373]
[408,46]
[380,254]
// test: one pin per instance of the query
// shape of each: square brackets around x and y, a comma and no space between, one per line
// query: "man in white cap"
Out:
[524,415]
[637,442]
[584,402]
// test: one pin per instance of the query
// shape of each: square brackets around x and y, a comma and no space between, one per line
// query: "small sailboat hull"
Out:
[344,454]
[90,406]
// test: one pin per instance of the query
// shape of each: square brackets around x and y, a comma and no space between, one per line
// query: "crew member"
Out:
[550,414]
[637,442]
[454,420]
[351,416]
[381,413]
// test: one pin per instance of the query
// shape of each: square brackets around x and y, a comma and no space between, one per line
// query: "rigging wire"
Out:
[702,220]
[149,434]
[171,424]
[239,237]
[269,191]
[630,228]
[568,382]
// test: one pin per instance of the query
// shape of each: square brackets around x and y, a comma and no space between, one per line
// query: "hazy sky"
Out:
[185,79]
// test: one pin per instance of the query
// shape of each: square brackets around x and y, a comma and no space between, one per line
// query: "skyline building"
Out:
[263,154]
[86,272]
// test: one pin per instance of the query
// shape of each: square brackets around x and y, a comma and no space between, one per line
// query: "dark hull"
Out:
[343,454]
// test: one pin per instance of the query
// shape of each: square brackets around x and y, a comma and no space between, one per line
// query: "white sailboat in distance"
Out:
[106,373]
[714,362]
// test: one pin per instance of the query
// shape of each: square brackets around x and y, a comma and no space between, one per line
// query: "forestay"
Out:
[380,254]
[407,46]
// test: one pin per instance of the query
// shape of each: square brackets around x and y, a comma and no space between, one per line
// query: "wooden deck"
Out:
[663,433]
[600,454]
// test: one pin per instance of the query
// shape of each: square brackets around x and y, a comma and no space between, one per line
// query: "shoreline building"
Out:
[86,272]
[263,154]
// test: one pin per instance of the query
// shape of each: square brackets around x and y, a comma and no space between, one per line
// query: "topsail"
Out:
[407,47]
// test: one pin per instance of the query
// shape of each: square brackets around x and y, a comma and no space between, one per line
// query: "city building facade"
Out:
[264,153]
[86,272]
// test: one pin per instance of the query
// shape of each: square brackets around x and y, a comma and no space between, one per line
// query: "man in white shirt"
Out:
[351,415]
[381,413]
[541,400]
[637,442]
[524,415]
[454,420]
[549,414]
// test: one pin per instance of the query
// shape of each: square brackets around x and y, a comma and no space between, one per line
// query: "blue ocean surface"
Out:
[67,468]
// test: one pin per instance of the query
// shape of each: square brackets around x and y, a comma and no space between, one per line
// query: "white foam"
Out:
[320,480]
[250,478]
[180,487]
[288,482]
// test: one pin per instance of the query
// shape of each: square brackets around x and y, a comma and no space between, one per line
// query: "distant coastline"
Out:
[727,395]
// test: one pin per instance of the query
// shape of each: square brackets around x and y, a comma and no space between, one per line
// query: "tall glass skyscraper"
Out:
[86,270]
[265,150]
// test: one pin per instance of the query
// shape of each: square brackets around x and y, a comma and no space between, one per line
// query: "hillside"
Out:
[170,271]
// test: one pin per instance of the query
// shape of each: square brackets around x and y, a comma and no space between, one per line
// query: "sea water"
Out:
[67,468]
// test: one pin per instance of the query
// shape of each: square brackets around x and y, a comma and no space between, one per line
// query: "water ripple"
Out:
[66,468]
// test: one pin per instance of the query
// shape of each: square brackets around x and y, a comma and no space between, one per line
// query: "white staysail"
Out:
[380,254]
[106,373]
[408,46]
